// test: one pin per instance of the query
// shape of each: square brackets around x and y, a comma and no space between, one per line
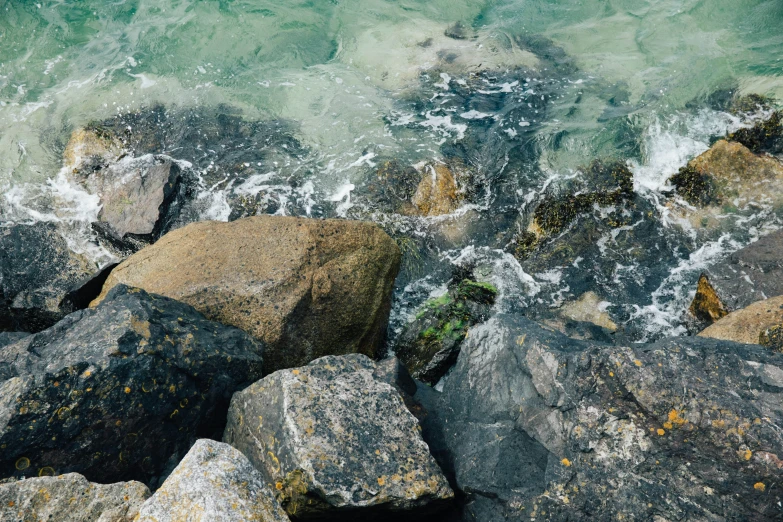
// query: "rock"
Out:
[392,188]
[336,440]
[120,391]
[70,498]
[429,346]
[764,136]
[306,287]
[748,325]
[589,308]
[729,174]
[532,424]
[438,192]
[140,196]
[37,270]
[214,482]
[751,274]
[91,148]
[7,338]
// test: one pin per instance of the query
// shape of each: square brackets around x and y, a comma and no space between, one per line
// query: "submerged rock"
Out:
[532,424]
[37,270]
[750,325]
[120,391]
[92,148]
[751,274]
[438,192]
[589,308]
[70,498]
[306,287]
[429,346]
[336,441]
[214,482]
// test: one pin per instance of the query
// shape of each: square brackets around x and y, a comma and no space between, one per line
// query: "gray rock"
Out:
[336,440]
[37,269]
[213,482]
[120,391]
[70,498]
[7,338]
[751,274]
[532,424]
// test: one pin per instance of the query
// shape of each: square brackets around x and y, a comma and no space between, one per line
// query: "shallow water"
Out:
[522,91]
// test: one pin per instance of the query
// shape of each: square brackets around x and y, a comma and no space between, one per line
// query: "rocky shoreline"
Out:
[242,370]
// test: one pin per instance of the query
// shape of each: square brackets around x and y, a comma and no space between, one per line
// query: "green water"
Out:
[359,80]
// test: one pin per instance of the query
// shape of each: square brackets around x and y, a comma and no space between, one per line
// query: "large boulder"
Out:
[37,270]
[120,391]
[748,325]
[336,440]
[306,287]
[70,498]
[214,482]
[752,274]
[532,424]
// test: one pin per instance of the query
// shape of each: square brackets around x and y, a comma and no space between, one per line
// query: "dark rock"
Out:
[85,291]
[218,483]
[429,346]
[532,424]
[37,269]
[305,287]
[70,498]
[337,442]
[751,274]
[764,136]
[120,391]
[7,338]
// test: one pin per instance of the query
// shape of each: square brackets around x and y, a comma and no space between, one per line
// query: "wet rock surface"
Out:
[749,325]
[70,498]
[213,482]
[429,346]
[120,391]
[306,287]
[37,270]
[532,424]
[751,274]
[336,441]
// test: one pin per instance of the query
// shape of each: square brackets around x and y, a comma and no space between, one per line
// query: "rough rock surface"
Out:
[589,308]
[748,324]
[90,148]
[429,346]
[532,424]
[37,269]
[305,287]
[139,196]
[335,438]
[70,498]
[7,338]
[216,483]
[751,274]
[121,391]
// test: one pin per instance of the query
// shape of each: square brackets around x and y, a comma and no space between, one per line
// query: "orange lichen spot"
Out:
[56,384]
[611,374]
[381,481]
[22,463]
[172,389]
[675,417]
[661,432]
[566,463]
[295,372]
[86,373]
[127,389]
[118,423]
[747,454]
[637,362]
[279,486]
[759,486]
[377,452]
[11,504]
[668,425]
[718,423]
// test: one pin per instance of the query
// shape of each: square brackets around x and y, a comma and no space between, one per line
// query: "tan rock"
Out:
[438,192]
[707,304]
[748,324]
[86,144]
[306,287]
[588,309]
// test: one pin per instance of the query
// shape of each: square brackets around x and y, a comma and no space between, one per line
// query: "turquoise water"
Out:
[364,80]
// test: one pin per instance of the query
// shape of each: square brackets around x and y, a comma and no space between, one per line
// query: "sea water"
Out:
[527,90]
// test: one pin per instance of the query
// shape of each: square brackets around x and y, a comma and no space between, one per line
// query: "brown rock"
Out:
[89,145]
[438,192]
[707,305]
[749,324]
[588,308]
[308,288]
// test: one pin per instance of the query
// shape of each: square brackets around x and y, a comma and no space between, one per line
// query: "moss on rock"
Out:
[765,136]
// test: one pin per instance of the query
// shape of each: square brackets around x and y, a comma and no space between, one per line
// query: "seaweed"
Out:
[696,188]
[764,136]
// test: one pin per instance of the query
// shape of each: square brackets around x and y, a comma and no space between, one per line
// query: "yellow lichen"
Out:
[661,432]
[637,362]
[382,481]
[566,463]
[759,486]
